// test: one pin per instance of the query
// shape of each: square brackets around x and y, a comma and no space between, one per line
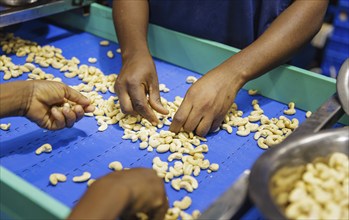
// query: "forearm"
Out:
[14,97]
[131,24]
[289,32]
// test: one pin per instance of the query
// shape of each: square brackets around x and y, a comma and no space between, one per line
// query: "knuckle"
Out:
[179,119]
[158,100]
[188,128]
[126,109]
[139,106]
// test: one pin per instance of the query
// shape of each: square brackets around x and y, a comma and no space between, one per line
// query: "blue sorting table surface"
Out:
[83,148]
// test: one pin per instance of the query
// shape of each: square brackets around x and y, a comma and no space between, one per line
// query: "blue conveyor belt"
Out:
[83,148]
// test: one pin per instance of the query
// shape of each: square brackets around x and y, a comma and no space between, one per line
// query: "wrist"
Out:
[134,54]
[27,97]
[15,98]
[232,74]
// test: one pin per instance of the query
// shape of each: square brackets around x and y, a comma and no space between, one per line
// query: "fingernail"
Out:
[90,108]
[54,110]
[66,109]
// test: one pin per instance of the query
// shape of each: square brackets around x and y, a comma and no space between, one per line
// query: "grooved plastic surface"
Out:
[83,148]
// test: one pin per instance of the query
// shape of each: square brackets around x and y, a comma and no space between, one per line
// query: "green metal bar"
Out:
[21,200]
[284,84]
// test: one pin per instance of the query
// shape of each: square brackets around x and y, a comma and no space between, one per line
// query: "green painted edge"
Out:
[21,200]
[284,84]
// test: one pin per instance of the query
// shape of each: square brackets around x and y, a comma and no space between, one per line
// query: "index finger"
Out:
[75,96]
[140,104]
[181,116]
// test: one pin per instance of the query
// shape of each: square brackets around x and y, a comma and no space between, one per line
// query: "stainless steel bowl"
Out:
[296,152]
[16,2]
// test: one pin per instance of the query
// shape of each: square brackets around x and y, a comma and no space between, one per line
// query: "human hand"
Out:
[124,194]
[136,80]
[206,103]
[44,99]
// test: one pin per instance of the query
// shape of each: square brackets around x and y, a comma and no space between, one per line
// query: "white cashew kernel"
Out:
[243,132]
[92,60]
[273,140]
[174,156]
[115,165]
[196,213]
[252,92]
[104,43]
[143,145]
[261,143]
[103,126]
[308,114]
[57,177]
[163,148]
[290,111]
[5,127]
[228,128]
[186,185]
[175,183]
[214,167]
[184,203]
[193,182]
[110,54]
[90,181]
[84,177]
[47,148]
[191,79]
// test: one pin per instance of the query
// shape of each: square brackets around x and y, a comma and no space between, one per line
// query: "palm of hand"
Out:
[45,97]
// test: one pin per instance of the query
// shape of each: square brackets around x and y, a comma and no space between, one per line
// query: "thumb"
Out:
[74,96]
[155,101]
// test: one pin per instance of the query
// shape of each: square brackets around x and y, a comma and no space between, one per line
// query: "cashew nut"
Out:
[191,79]
[104,43]
[47,148]
[252,92]
[214,167]
[193,182]
[57,177]
[228,128]
[186,185]
[242,131]
[110,54]
[90,181]
[184,203]
[261,143]
[115,165]
[308,114]
[162,148]
[84,177]
[5,127]
[92,60]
